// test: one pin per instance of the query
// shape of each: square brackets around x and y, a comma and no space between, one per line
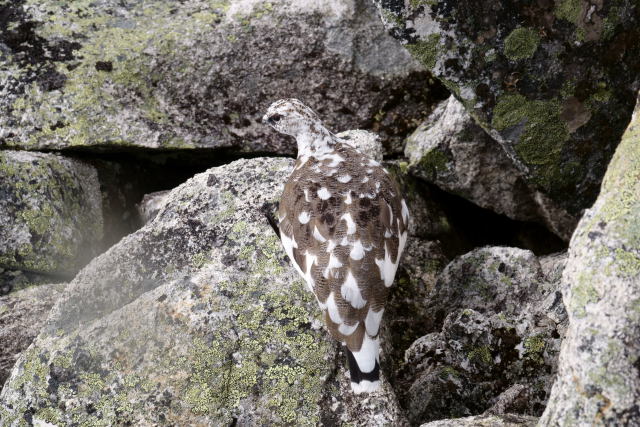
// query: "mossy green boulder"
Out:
[453,152]
[195,319]
[50,213]
[554,82]
[598,380]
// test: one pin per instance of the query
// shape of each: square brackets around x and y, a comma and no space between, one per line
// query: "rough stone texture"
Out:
[599,371]
[451,151]
[365,141]
[497,323]
[50,212]
[195,319]
[198,74]
[22,315]
[553,81]
[508,420]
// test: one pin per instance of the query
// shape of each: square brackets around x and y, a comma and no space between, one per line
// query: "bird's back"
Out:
[344,224]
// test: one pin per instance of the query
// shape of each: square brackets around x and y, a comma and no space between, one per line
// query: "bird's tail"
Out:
[363,382]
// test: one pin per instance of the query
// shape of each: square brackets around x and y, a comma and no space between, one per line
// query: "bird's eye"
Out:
[275,118]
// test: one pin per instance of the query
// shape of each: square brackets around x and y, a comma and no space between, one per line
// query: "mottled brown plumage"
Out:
[344,223]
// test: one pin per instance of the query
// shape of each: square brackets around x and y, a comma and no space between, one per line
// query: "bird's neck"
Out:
[319,141]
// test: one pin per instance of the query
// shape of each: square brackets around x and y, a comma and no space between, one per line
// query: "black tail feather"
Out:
[356,374]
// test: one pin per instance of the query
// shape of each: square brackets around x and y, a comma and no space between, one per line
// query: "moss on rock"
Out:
[522,43]
[53,207]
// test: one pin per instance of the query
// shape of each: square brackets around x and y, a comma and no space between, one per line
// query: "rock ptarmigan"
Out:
[343,223]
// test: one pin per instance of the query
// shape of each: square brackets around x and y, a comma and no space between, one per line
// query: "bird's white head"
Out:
[292,117]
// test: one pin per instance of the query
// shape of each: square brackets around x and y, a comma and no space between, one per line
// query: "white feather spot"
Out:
[372,322]
[403,241]
[344,178]
[387,268]
[377,186]
[351,292]
[347,198]
[333,263]
[332,308]
[318,236]
[365,179]
[373,163]
[351,225]
[289,243]
[405,212]
[357,251]
[369,170]
[365,386]
[390,214]
[387,233]
[303,160]
[323,193]
[306,195]
[331,245]
[335,158]
[345,329]
[304,217]
[368,354]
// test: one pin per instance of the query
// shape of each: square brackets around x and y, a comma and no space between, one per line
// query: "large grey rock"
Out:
[497,322]
[599,374]
[50,212]
[196,318]
[553,81]
[508,420]
[451,151]
[22,315]
[116,75]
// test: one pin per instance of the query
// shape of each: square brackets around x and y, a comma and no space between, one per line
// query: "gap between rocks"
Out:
[126,176]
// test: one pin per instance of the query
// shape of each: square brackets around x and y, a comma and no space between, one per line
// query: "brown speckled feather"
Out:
[373,203]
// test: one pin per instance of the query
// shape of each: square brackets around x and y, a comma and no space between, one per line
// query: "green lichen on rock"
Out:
[543,136]
[602,294]
[546,52]
[434,162]
[571,10]
[210,325]
[53,207]
[480,355]
[426,51]
[522,43]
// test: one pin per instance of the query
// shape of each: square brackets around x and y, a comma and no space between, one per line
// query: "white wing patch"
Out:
[387,267]
[405,212]
[332,308]
[351,225]
[357,251]
[372,322]
[323,193]
[304,217]
[345,329]
[368,354]
[334,262]
[351,292]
